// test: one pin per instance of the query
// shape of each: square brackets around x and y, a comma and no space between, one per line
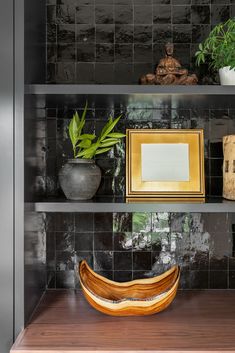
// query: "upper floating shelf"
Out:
[129,89]
[110,204]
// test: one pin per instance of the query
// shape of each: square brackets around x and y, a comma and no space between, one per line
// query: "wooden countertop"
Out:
[197,321]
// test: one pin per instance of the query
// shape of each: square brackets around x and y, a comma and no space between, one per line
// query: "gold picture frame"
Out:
[165,164]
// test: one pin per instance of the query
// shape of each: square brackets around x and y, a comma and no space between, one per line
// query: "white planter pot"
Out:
[227,76]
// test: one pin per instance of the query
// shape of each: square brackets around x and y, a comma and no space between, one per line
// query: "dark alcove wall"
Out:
[117,41]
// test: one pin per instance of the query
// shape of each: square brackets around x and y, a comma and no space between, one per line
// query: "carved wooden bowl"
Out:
[139,297]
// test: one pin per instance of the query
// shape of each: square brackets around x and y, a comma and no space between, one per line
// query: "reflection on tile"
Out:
[122,222]
[122,241]
[64,241]
[103,260]
[64,261]
[157,242]
[142,241]
[160,222]
[141,222]
[84,255]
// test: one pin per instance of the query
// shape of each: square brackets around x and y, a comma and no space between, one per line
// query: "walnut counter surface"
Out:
[197,321]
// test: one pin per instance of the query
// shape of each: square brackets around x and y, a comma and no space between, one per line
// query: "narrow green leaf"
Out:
[106,126]
[91,149]
[84,112]
[109,143]
[87,136]
[85,143]
[76,117]
[73,128]
[110,127]
[117,135]
[102,150]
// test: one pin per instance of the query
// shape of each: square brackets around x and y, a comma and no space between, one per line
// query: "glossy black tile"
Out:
[64,260]
[122,241]
[103,222]
[85,14]
[103,260]
[85,33]
[104,14]
[83,241]
[122,261]
[84,222]
[142,261]
[64,241]
[218,280]
[122,276]
[181,14]
[103,241]
[162,14]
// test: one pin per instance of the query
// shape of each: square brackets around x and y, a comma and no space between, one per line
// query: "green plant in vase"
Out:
[219,50]
[80,177]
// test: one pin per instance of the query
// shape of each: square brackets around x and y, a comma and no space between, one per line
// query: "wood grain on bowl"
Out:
[139,297]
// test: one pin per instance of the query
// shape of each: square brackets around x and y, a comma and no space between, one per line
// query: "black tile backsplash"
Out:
[143,245]
[87,38]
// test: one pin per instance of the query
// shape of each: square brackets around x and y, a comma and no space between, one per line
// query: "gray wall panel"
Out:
[19,166]
[6,175]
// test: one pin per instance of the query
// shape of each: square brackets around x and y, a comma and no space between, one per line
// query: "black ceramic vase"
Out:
[80,179]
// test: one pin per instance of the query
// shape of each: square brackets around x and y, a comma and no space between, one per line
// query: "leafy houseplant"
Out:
[80,177]
[89,145]
[219,49]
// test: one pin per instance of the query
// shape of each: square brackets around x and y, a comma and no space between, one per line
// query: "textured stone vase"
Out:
[80,179]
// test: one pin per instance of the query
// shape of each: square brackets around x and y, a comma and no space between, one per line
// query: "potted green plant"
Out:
[80,177]
[219,49]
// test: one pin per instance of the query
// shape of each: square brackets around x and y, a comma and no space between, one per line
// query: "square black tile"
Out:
[104,14]
[83,242]
[103,222]
[103,241]
[103,260]
[122,260]
[123,14]
[122,276]
[181,14]
[85,14]
[143,14]
[142,260]
[218,280]
[162,14]
[84,222]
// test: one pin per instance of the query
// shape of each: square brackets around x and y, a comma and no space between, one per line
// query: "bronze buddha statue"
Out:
[169,72]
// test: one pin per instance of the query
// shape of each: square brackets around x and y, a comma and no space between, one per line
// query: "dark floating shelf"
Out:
[110,204]
[129,89]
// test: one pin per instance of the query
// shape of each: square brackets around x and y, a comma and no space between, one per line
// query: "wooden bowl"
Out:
[139,297]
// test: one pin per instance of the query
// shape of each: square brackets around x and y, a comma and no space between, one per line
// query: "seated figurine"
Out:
[169,72]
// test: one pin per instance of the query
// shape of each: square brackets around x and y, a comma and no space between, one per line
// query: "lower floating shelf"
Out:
[197,321]
[110,204]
